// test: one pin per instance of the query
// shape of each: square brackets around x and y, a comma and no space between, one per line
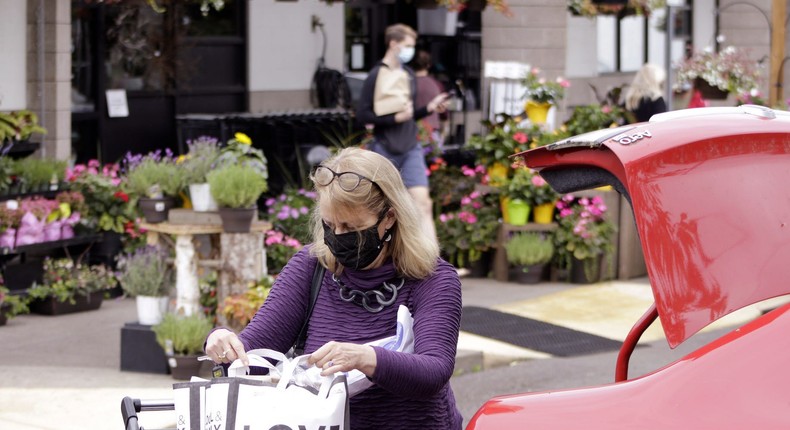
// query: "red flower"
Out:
[121,195]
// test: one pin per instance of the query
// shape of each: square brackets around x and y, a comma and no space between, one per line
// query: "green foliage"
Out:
[527,249]
[200,159]
[236,186]
[542,192]
[146,272]
[187,333]
[584,230]
[502,139]
[154,177]
[519,187]
[65,280]
[541,90]
[239,151]
[38,173]
[449,184]
[465,234]
[19,125]
[279,250]
[108,208]
[240,308]
[594,117]
[6,172]
[12,305]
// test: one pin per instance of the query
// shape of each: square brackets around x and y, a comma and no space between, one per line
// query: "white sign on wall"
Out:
[13,48]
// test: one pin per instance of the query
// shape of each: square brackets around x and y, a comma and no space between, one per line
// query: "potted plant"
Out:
[200,159]
[239,309]
[37,175]
[236,188]
[11,305]
[10,218]
[279,250]
[592,8]
[543,200]
[715,74]
[529,254]
[519,192]
[289,212]
[70,286]
[501,140]
[154,180]
[584,236]
[19,126]
[146,275]
[182,337]
[239,150]
[467,235]
[541,94]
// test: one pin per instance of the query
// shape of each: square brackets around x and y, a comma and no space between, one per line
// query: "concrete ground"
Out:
[63,372]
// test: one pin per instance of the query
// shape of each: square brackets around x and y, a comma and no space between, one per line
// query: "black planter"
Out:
[481,267]
[708,91]
[237,220]
[51,306]
[4,308]
[139,350]
[533,275]
[184,367]
[586,271]
[155,210]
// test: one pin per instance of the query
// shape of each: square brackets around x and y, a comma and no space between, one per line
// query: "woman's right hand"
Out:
[224,346]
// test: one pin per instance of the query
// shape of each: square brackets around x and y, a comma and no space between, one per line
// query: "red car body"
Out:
[710,191]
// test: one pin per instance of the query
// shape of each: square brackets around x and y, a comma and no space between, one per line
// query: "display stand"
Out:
[500,254]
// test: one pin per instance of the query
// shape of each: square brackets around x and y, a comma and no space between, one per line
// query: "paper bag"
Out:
[392,93]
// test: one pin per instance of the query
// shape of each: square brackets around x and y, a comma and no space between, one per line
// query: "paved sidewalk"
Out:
[63,372]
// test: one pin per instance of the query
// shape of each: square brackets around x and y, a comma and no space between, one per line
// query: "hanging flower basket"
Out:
[708,91]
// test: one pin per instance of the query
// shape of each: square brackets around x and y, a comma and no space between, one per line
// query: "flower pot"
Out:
[544,213]
[497,174]
[4,308]
[587,271]
[503,209]
[155,210]
[237,220]
[51,306]
[537,112]
[533,274]
[481,267]
[183,367]
[202,201]
[708,91]
[150,309]
[518,211]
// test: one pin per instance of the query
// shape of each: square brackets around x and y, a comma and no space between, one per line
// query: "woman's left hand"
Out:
[343,357]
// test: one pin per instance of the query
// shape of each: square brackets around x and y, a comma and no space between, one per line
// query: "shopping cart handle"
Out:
[129,409]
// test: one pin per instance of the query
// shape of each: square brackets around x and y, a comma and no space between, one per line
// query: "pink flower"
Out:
[566,212]
[538,181]
[477,205]
[468,171]
[563,83]
[606,109]
[520,137]
[443,218]
[474,194]
[466,200]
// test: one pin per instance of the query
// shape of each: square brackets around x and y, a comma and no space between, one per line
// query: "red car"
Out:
[710,191]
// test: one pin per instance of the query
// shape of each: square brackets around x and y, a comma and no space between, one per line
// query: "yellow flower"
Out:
[243,138]
[181,159]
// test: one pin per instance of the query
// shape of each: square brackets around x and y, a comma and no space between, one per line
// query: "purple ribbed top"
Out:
[411,390]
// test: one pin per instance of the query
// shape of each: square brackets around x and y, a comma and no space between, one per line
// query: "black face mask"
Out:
[356,249]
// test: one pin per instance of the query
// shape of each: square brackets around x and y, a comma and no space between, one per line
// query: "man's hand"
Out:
[439,103]
[406,114]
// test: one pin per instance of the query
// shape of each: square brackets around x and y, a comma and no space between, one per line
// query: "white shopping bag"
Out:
[189,399]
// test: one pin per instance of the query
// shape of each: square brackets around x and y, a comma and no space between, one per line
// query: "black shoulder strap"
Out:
[315,286]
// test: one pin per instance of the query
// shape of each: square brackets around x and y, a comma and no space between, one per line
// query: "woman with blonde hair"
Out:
[644,98]
[367,234]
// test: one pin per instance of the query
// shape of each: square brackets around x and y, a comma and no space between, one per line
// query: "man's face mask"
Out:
[357,249]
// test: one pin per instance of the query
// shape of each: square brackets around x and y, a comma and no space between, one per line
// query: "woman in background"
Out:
[643,98]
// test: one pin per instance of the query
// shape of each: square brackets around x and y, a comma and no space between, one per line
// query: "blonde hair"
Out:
[647,83]
[398,32]
[413,252]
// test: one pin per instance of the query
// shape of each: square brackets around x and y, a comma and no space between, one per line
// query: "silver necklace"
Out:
[373,300]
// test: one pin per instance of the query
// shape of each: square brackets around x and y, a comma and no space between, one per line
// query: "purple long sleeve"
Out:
[411,390]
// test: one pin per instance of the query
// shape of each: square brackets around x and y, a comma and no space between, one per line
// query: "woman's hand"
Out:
[343,357]
[224,346]
[439,103]
[406,114]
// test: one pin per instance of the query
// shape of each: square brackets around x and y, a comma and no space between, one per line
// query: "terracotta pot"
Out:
[237,220]
[155,210]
